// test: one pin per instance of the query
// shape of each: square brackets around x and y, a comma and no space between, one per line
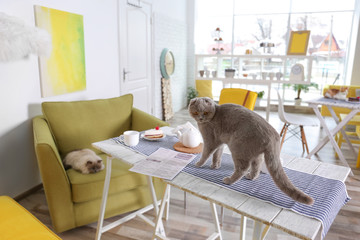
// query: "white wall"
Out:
[20,96]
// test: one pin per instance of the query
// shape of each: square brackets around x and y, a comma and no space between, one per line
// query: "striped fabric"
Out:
[329,195]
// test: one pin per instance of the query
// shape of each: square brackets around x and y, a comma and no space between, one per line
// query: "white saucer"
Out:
[152,139]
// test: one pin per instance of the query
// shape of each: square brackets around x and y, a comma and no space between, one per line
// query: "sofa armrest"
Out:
[55,181]
[142,121]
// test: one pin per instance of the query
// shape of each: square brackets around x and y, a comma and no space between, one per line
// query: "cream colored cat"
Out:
[85,161]
[337,93]
[248,137]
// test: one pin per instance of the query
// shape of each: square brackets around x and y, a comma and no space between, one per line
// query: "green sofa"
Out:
[74,198]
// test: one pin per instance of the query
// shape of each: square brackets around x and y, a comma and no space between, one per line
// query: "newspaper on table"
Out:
[164,163]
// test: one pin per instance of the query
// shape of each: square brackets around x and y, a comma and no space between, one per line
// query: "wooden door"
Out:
[135,34]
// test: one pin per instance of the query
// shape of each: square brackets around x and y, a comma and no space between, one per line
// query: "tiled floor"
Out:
[195,222]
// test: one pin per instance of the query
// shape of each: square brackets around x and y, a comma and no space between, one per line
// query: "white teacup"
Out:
[131,138]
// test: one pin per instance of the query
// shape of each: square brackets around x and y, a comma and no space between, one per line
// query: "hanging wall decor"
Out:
[64,71]
[298,43]
[19,39]
[167,68]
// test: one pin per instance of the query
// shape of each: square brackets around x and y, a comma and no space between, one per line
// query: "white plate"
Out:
[152,139]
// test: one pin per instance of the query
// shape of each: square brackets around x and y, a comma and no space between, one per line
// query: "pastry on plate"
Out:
[154,133]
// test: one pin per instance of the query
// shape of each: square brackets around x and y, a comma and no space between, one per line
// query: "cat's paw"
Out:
[251,176]
[199,164]
[227,180]
[215,166]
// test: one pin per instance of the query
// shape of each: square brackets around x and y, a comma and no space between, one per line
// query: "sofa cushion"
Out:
[86,187]
[75,125]
[338,110]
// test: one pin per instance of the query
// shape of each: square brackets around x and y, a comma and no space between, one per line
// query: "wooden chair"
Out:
[295,120]
[238,96]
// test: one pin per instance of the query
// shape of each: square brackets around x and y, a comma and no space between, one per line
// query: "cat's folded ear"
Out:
[208,100]
[192,101]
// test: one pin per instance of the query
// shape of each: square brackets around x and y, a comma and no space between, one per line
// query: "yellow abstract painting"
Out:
[64,71]
[298,43]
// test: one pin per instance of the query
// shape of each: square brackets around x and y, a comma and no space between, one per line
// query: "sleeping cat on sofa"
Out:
[337,93]
[248,137]
[85,161]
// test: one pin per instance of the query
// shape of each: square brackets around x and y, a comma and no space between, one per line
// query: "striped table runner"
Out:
[329,194]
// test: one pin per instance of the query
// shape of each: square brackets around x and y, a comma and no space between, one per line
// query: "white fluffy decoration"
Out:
[17,40]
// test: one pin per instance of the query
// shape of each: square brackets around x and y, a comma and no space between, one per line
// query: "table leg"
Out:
[167,208]
[325,140]
[99,229]
[331,133]
[268,102]
[184,200]
[217,234]
[258,233]
[333,114]
[159,228]
[243,227]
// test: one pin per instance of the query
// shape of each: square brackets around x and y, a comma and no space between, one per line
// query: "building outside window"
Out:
[245,24]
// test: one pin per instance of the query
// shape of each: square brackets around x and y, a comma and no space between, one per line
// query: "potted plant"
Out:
[302,87]
[191,93]
[260,95]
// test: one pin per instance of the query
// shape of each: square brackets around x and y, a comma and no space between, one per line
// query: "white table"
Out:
[118,152]
[264,214]
[330,103]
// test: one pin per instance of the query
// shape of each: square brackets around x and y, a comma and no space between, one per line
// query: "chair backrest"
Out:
[204,88]
[77,124]
[281,111]
[238,96]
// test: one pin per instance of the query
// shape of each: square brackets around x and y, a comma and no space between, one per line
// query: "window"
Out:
[245,24]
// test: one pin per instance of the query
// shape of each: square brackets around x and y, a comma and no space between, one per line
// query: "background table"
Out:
[329,103]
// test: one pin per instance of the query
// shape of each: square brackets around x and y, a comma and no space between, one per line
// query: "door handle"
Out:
[124,74]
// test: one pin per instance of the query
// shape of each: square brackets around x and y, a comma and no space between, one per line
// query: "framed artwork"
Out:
[64,71]
[298,42]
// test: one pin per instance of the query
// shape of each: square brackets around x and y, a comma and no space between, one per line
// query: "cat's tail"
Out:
[281,180]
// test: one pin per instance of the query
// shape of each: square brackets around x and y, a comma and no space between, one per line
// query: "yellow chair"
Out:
[17,223]
[204,88]
[238,96]
[358,158]
[355,121]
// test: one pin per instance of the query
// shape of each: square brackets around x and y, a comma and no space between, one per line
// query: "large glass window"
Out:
[245,24]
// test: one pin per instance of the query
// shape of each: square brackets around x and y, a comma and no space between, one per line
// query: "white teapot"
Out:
[189,138]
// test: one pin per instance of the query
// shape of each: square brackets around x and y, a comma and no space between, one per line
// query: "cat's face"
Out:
[202,109]
[94,166]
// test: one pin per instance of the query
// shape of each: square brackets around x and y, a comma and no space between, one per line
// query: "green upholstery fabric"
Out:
[74,198]
[75,125]
[86,187]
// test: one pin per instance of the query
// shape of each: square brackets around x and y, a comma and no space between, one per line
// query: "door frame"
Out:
[152,51]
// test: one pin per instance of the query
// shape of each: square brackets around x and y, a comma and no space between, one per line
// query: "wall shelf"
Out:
[253,65]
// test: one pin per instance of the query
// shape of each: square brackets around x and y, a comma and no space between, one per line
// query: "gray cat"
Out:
[248,137]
